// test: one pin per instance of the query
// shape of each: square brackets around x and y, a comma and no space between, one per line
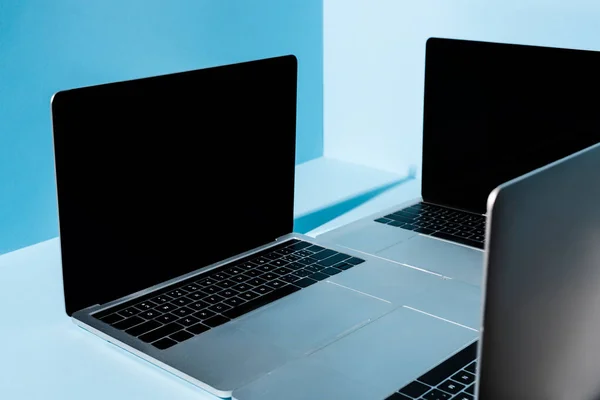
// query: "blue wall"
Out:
[46,46]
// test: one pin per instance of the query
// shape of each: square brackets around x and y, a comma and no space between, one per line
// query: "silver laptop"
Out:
[492,112]
[541,319]
[175,197]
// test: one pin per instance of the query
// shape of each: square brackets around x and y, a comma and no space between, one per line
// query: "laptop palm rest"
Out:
[370,363]
[448,259]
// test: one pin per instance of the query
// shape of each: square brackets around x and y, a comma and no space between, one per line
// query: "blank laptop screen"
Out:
[161,176]
[493,112]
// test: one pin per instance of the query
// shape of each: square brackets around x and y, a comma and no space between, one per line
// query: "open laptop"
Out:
[175,197]
[541,319]
[492,112]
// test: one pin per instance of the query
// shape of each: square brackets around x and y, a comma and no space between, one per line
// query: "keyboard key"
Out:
[183,312]
[204,314]
[143,328]
[343,266]
[451,386]
[295,266]
[242,287]
[323,254]
[177,293]
[305,282]
[436,394]
[307,261]
[246,266]
[163,298]
[165,308]
[196,295]
[187,321]
[331,271]
[261,261]
[261,301]
[129,312]
[250,295]
[281,271]
[197,329]
[450,366]
[264,289]
[227,293]
[414,389]
[270,276]
[303,253]
[457,239]
[464,377]
[234,301]
[214,299]
[267,268]
[383,220]
[181,336]
[240,278]
[219,308]
[145,305]
[400,218]
[272,256]
[150,314]
[276,284]
[216,321]
[206,282]
[478,238]
[300,246]
[161,332]
[166,318]
[317,276]
[398,224]
[279,263]
[284,251]
[199,305]
[289,278]
[424,231]
[355,261]
[463,234]
[314,248]
[301,273]
[226,284]
[328,262]
[164,344]
[192,287]
[182,301]
[128,323]
[253,273]
[291,258]
[470,389]
[112,318]
[234,271]
[256,282]
[211,289]
[314,268]
[219,276]
[472,368]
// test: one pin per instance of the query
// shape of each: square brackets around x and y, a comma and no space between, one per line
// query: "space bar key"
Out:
[261,301]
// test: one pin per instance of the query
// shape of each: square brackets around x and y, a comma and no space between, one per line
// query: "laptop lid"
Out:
[493,112]
[541,336]
[160,176]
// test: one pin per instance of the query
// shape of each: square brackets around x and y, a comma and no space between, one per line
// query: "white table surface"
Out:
[45,356]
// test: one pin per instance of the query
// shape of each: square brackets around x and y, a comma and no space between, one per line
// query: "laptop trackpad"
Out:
[313,317]
[451,260]
[370,363]
[369,238]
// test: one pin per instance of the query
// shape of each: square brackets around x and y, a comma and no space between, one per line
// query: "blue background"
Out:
[46,46]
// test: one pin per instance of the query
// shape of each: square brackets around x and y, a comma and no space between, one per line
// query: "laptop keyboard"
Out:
[183,310]
[444,223]
[452,379]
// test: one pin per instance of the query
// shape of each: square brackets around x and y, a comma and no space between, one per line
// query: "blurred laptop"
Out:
[492,112]
[176,198]
[541,320]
